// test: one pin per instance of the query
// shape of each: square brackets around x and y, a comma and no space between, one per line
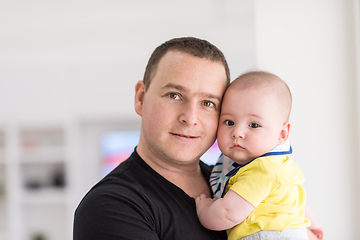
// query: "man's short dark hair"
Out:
[190,45]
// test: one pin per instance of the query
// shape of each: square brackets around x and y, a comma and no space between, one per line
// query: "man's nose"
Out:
[189,114]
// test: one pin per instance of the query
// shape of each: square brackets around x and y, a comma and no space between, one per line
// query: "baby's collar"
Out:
[282,149]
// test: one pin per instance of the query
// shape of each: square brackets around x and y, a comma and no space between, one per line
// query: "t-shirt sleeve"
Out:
[96,216]
[254,183]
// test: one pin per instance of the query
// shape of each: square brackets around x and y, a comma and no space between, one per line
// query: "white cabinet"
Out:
[35,192]
[45,170]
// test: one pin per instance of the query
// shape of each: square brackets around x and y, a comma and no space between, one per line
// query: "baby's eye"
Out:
[229,123]
[254,125]
[209,104]
[174,95]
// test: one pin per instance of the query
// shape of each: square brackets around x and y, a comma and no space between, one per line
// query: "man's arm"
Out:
[222,213]
[315,226]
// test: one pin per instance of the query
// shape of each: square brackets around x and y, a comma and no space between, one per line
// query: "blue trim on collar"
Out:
[238,166]
[277,153]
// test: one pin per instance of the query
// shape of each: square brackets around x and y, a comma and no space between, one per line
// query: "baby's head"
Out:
[254,116]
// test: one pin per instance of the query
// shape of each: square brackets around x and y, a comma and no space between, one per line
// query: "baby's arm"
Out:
[223,213]
[315,227]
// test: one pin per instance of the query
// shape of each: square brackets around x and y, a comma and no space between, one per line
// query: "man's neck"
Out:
[192,183]
[188,177]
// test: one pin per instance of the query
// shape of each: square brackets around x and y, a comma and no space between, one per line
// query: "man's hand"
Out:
[316,230]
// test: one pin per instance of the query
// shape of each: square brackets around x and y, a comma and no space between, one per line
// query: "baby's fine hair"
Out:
[270,81]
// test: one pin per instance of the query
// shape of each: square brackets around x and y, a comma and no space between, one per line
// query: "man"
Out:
[151,194]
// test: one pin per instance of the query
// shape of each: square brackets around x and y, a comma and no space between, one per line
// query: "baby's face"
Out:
[250,124]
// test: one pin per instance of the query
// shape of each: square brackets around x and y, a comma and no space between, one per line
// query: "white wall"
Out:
[310,44]
[81,59]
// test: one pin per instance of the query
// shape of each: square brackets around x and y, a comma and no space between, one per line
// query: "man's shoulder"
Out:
[121,180]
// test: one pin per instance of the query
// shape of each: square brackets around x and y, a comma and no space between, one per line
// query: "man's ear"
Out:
[139,97]
[284,134]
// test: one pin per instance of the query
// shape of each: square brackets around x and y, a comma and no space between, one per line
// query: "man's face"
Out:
[180,109]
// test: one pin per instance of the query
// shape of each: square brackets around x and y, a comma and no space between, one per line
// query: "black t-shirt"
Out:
[135,202]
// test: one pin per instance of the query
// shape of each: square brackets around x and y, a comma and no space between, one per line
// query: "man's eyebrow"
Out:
[181,88]
[178,87]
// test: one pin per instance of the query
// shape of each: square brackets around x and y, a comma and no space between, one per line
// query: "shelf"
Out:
[45,154]
[45,220]
[45,196]
[42,145]
[42,176]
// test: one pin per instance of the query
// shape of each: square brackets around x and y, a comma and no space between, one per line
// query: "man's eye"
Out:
[254,125]
[209,104]
[229,123]
[174,95]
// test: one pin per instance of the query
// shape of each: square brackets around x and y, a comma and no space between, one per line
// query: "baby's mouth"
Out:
[237,146]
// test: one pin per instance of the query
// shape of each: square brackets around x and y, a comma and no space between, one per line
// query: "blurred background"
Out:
[67,76]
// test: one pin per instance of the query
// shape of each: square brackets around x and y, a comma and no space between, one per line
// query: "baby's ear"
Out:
[284,134]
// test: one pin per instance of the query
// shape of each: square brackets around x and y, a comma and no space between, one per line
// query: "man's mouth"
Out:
[182,135]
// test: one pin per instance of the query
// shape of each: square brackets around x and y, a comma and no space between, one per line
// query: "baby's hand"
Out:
[203,202]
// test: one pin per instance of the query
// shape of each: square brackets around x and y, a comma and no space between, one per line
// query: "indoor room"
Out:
[68,71]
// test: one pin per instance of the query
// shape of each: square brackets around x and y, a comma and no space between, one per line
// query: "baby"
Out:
[258,185]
